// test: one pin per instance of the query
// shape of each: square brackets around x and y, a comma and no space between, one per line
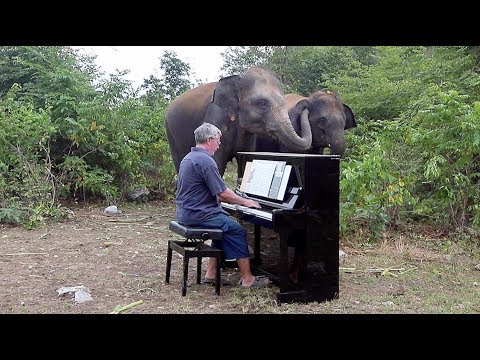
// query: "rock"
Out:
[111,210]
[81,293]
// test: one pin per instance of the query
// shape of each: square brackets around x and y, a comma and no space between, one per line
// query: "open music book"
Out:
[266,178]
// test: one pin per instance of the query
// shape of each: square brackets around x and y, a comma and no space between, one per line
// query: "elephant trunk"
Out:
[337,144]
[289,138]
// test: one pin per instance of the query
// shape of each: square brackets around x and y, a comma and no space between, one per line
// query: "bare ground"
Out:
[121,261]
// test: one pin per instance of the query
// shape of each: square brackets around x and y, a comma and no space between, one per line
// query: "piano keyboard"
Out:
[257,212]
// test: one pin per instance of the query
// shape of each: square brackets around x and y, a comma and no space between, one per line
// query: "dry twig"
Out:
[24,253]
[118,309]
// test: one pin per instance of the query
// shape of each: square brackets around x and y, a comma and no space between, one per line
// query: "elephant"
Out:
[328,117]
[241,106]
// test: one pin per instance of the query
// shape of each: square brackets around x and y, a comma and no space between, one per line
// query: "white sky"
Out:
[143,61]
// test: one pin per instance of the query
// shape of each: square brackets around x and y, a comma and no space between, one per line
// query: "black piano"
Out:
[304,213]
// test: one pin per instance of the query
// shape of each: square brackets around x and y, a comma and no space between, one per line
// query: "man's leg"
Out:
[234,242]
[234,246]
[211,268]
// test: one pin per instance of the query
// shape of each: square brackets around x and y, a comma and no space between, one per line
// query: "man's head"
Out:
[207,136]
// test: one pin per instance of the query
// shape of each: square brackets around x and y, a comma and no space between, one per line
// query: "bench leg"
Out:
[199,270]
[186,258]
[218,276]
[169,263]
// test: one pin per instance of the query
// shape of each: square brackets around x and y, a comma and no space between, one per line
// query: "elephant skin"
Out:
[328,118]
[241,106]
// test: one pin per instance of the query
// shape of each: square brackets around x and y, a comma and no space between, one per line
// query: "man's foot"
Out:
[258,282]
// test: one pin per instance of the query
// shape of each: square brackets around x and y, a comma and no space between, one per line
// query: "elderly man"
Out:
[200,189]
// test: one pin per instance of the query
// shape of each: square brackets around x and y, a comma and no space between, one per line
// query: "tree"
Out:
[175,79]
[301,69]
[237,59]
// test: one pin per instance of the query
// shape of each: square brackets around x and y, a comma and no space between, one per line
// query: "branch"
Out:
[24,253]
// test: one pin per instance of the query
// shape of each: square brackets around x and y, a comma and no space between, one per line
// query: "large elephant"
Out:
[328,117]
[240,106]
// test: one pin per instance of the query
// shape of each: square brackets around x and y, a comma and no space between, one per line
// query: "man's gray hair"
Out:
[205,132]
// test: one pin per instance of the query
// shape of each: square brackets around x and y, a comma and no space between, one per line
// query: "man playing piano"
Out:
[200,189]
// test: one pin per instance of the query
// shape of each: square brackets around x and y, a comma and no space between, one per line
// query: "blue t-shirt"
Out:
[198,185]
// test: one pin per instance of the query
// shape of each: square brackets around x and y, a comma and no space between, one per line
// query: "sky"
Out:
[143,61]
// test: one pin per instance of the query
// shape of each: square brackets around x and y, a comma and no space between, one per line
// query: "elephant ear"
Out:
[295,113]
[225,96]
[349,118]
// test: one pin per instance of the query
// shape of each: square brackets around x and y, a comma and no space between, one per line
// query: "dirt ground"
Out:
[120,260]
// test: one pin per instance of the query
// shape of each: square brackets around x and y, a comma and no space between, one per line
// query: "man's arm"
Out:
[229,196]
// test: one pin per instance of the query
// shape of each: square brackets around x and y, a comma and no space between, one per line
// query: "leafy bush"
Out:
[372,191]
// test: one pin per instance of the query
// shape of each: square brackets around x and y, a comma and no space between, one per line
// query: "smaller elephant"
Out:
[328,117]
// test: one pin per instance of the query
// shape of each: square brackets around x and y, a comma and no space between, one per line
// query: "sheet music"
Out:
[266,178]
[284,182]
[260,177]
[277,180]
[246,176]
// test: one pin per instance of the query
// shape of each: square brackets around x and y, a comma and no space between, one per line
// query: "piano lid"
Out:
[288,155]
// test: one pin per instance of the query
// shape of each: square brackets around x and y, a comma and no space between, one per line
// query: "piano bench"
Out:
[194,247]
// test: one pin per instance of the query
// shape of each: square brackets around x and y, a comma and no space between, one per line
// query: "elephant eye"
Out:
[262,104]
[322,120]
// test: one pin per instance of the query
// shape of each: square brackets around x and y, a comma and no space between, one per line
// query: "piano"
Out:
[304,214]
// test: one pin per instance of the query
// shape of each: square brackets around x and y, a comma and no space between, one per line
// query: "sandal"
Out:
[260,282]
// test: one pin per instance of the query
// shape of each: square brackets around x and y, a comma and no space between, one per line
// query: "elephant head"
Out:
[240,106]
[328,117]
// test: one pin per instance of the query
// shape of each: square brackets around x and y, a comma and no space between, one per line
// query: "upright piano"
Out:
[304,213]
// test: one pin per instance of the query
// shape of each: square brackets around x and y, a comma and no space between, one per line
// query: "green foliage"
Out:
[306,69]
[433,149]
[40,213]
[78,176]
[62,138]
[386,88]
[49,76]
[176,74]
[373,191]
[24,153]
[237,59]
[445,134]
[12,215]
[302,69]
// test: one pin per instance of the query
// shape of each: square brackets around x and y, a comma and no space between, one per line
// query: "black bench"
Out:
[194,246]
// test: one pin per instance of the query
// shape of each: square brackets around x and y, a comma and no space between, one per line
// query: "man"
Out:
[200,188]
